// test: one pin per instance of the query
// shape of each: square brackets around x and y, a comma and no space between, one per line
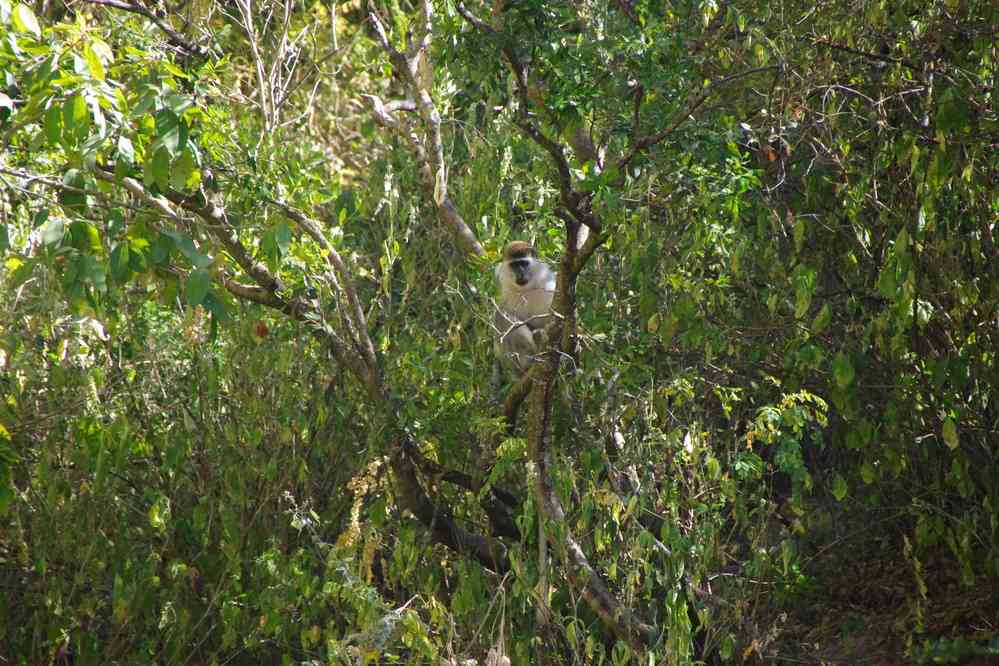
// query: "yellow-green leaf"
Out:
[822,319]
[950,433]
[94,63]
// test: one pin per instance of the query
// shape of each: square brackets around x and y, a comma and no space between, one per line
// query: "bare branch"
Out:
[474,20]
[864,54]
[109,201]
[173,36]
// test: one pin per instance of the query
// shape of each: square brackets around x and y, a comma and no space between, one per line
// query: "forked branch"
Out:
[415,70]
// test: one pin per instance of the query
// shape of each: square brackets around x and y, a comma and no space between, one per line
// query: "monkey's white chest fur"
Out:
[531,305]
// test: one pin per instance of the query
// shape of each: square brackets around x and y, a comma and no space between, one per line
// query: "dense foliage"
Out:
[249,411]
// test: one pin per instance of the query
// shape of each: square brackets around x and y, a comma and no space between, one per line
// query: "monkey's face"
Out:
[522,270]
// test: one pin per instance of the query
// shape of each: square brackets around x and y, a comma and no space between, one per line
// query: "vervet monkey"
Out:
[526,287]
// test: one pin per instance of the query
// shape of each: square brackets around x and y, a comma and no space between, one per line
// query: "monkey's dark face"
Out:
[521,269]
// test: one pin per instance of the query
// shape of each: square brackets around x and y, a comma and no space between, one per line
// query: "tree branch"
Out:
[628,8]
[652,139]
[340,277]
[173,36]
[864,54]
[489,552]
[416,72]
[540,381]
[497,504]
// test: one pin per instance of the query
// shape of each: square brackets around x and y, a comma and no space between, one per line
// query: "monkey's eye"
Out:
[519,264]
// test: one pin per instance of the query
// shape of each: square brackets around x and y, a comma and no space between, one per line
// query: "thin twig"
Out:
[651,140]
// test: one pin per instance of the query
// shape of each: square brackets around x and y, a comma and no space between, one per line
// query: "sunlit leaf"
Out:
[75,118]
[25,20]
[184,174]
[53,231]
[94,63]
[282,237]
[120,262]
[171,131]
[85,236]
[160,168]
[125,149]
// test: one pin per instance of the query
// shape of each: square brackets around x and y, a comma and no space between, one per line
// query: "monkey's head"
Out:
[519,257]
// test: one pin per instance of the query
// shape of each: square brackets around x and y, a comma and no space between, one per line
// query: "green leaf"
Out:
[176,102]
[902,242]
[53,232]
[216,307]
[282,236]
[867,473]
[185,174]
[75,119]
[843,371]
[160,168]
[839,488]
[72,200]
[188,249]
[800,227]
[953,114]
[4,238]
[171,131]
[53,124]
[887,280]
[86,238]
[25,21]
[159,252]
[198,284]
[804,278]
[950,433]
[822,319]
[93,271]
[120,263]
